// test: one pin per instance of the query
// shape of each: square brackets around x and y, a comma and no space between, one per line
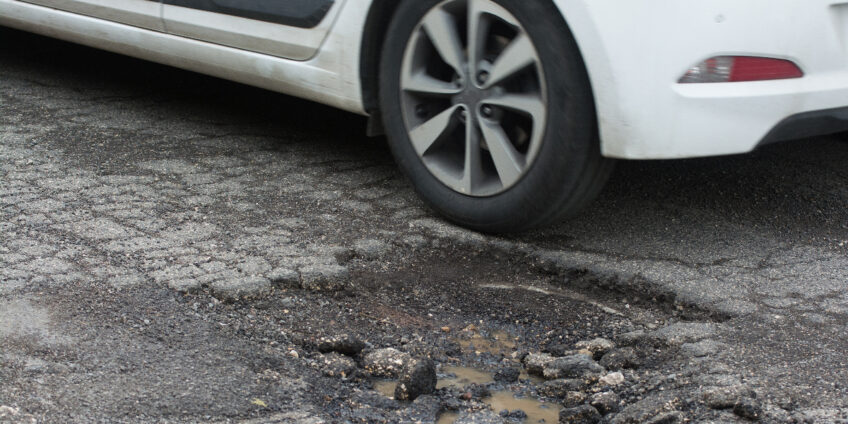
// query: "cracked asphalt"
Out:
[147,212]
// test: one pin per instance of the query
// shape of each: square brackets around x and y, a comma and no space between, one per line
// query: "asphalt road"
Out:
[119,175]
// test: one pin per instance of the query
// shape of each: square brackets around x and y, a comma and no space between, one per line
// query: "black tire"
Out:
[569,170]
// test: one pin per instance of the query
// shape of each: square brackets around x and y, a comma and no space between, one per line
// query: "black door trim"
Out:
[297,13]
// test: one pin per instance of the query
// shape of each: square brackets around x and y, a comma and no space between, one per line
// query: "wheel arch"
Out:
[376,25]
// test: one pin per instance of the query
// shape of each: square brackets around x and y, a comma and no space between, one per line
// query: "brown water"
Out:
[498,343]
[536,410]
[386,388]
[464,376]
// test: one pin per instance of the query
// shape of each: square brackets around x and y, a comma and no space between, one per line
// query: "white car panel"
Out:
[249,34]
[330,77]
[636,52]
[140,13]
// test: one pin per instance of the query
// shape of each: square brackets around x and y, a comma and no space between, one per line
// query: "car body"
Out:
[635,55]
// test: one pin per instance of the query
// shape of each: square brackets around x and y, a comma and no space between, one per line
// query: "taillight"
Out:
[741,68]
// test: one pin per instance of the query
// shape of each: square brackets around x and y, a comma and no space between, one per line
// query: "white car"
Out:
[506,114]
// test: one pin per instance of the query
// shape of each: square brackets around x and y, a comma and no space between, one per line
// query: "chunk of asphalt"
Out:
[285,278]
[605,402]
[370,249]
[345,344]
[598,346]
[417,378]
[336,365]
[559,388]
[584,414]
[572,366]
[507,375]
[324,277]
[727,396]
[385,363]
[535,363]
[232,290]
[620,358]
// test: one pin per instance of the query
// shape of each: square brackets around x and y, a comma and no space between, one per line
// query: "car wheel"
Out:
[489,112]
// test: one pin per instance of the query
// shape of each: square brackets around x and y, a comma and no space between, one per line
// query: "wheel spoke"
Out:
[425,135]
[509,163]
[518,55]
[421,83]
[473,171]
[442,30]
[531,105]
[478,28]
[524,103]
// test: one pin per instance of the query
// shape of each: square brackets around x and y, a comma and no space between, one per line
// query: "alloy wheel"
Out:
[473,96]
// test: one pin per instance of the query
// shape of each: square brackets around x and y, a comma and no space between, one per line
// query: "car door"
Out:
[140,13]
[291,29]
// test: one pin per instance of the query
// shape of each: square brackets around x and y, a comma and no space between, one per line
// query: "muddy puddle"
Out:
[495,342]
[477,342]
[536,410]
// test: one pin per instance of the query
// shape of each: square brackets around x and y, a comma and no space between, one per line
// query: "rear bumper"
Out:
[637,51]
[808,124]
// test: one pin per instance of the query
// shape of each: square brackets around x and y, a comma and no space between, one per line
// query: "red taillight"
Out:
[747,68]
[741,69]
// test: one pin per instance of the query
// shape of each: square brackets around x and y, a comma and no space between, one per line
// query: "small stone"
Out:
[598,347]
[385,363]
[324,277]
[561,387]
[345,344]
[748,408]
[507,375]
[417,378]
[572,366]
[612,379]
[535,363]
[293,353]
[285,278]
[620,358]
[605,402]
[584,414]
[241,288]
